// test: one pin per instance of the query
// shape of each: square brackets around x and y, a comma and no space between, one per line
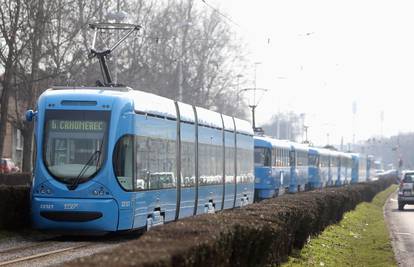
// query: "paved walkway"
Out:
[401,227]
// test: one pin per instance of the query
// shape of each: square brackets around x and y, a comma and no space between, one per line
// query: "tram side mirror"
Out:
[30,114]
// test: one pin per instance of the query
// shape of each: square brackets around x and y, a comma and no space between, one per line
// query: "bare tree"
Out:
[53,54]
[11,16]
[181,47]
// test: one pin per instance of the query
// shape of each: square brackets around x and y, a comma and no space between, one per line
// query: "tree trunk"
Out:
[27,147]
[5,102]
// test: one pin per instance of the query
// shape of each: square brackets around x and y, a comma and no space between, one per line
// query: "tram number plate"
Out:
[70,206]
[125,204]
[46,206]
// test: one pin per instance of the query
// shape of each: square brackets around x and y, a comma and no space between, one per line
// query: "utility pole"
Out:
[382,123]
[185,27]
[254,105]
[305,128]
[117,37]
[354,111]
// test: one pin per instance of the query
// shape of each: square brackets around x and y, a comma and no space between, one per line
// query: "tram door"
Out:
[293,171]
[186,160]
[188,176]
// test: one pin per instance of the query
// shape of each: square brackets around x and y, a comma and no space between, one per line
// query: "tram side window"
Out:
[187,164]
[300,161]
[292,159]
[229,165]
[313,160]
[155,163]
[276,157]
[244,163]
[262,157]
[211,164]
[282,157]
[123,162]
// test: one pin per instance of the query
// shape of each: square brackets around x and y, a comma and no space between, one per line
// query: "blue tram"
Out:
[272,169]
[299,167]
[325,175]
[314,160]
[346,168]
[362,168]
[284,166]
[280,166]
[111,159]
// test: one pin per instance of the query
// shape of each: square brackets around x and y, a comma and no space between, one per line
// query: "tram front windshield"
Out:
[75,144]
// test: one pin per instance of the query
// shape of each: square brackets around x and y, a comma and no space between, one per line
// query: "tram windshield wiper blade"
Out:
[85,167]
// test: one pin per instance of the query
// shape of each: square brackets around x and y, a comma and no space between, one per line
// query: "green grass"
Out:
[361,238]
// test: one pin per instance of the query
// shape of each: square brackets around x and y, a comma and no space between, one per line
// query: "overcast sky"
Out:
[318,57]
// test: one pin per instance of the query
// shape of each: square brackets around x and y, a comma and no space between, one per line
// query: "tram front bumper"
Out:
[74,214]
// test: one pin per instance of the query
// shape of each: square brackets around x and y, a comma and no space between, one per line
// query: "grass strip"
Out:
[361,238]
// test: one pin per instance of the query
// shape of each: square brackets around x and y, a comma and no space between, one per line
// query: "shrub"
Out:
[257,235]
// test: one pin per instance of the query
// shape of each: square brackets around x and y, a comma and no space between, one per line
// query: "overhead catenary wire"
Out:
[221,14]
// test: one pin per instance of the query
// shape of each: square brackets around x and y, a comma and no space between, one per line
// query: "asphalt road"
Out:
[401,227]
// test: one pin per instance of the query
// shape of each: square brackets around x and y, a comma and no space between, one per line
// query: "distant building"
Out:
[13,145]
[13,141]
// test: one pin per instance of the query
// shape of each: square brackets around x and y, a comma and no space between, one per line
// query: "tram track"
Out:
[21,258]
[18,248]
[55,250]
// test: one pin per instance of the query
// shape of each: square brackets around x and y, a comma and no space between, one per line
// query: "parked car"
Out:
[7,166]
[405,193]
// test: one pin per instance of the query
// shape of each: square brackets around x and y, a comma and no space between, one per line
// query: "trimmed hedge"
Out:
[15,200]
[14,207]
[257,235]
[18,178]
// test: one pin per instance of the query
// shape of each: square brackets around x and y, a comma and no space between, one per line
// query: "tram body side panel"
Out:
[263,170]
[245,169]
[355,169]
[155,163]
[314,169]
[188,179]
[210,169]
[230,188]
[293,182]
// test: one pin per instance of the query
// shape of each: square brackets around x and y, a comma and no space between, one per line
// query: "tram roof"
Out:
[157,105]
[275,142]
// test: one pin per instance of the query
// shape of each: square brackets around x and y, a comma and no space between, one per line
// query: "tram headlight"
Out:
[44,190]
[100,191]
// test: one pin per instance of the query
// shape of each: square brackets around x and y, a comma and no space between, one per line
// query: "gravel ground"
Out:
[67,248]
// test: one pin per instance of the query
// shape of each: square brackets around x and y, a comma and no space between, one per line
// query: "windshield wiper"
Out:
[85,167]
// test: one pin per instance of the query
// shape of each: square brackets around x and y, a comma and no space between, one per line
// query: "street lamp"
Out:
[118,16]
[255,86]
[184,26]
[238,81]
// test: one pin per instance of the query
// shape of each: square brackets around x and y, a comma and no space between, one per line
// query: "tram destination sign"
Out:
[76,125]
